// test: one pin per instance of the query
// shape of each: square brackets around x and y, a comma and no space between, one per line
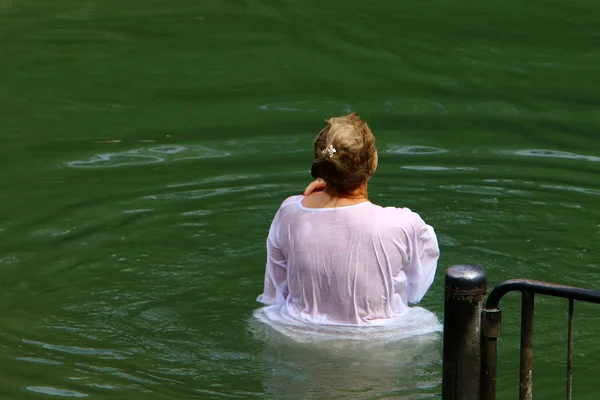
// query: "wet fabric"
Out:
[356,265]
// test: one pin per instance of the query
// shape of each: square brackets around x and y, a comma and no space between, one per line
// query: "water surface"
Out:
[147,145]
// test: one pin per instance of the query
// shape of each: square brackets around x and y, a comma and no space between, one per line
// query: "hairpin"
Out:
[329,150]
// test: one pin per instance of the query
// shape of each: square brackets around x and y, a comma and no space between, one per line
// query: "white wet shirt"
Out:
[355,265]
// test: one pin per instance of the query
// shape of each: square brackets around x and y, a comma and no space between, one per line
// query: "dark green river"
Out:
[146,145]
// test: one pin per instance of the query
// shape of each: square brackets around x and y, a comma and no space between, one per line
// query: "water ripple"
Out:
[196,213]
[55,392]
[415,150]
[74,349]
[323,107]
[437,168]
[573,189]
[550,154]
[201,193]
[146,156]
[220,178]
[415,107]
[138,211]
[483,190]
[37,360]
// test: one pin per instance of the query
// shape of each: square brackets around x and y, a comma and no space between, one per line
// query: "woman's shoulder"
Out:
[292,200]
[400,216]
[284,209]
[394,211]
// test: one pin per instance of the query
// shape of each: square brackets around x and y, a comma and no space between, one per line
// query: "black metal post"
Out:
[490,332]
[570,353]
[465,289]
[526,385]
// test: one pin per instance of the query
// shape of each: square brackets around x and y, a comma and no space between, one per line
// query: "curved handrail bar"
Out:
[550,289]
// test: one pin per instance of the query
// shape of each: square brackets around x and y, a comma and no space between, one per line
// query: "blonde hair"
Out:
[344,153]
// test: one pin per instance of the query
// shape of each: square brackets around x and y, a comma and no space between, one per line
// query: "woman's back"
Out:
[335,258]
[359,264]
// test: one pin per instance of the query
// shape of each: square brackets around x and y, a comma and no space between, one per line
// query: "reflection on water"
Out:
[145,156]
[215,179]
[407,368]
[413,107]
[437,168]
[493,108]
[415,150]
[76,350]
[407,106]
[323,108]
[414,321]
[55,392]
[550,154]
[573,189]
[201,193]
[37,360]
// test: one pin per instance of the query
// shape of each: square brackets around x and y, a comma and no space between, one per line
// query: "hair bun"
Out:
[352,140]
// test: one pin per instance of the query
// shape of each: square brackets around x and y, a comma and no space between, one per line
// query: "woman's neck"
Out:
[330,199]
[359,193]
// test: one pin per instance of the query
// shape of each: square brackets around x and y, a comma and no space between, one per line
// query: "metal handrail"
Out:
[490,330]
[539,287]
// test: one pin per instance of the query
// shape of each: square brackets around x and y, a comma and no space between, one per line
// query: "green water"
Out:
[145,146]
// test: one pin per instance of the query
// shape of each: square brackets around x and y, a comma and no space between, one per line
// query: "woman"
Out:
[333,257]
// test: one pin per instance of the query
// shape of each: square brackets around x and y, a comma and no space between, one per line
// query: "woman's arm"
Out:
[275,286]
[424,256]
